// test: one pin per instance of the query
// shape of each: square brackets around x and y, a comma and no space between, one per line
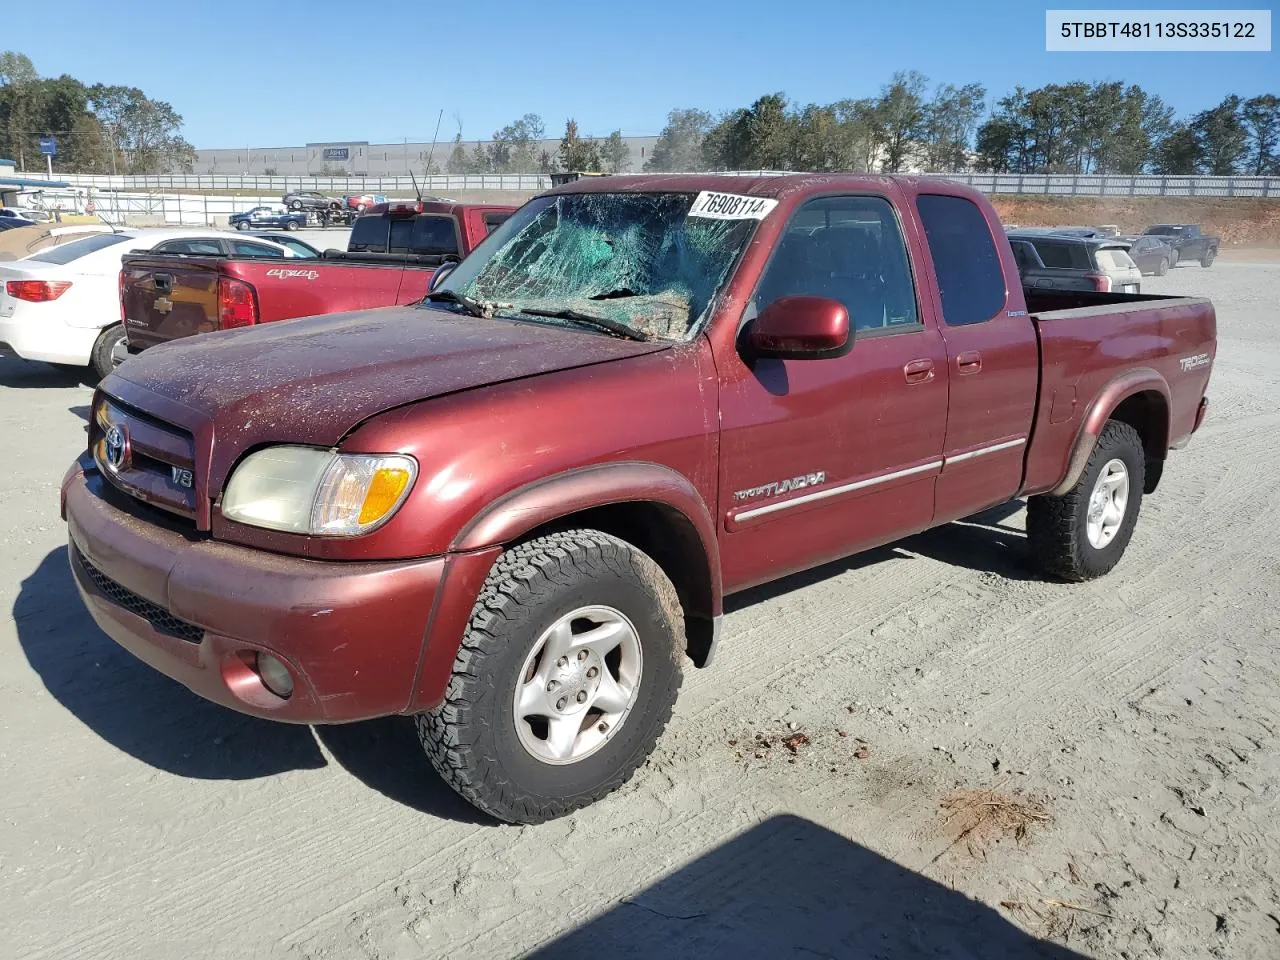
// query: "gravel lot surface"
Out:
[991,765]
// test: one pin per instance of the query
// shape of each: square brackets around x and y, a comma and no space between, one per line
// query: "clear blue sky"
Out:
[246,74]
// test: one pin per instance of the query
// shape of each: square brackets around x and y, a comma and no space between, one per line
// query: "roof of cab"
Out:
[760,184]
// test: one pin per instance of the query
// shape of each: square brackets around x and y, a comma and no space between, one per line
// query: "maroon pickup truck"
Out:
[393,252]
[515,510]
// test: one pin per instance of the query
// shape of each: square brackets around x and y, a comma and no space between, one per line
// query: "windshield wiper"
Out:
[615,327]
[477,308]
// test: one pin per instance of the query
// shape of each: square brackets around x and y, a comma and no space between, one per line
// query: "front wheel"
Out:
[242,225]
[1163,267]
[108,351]
[565,679]
[1208,258]
[296,205]
[291,225]
[1083,533]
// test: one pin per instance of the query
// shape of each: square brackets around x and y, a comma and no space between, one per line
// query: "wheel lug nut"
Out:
[603,728]
[582,654]
[552,686]
[582,696]
[562,703]
[562,662]
[593,672]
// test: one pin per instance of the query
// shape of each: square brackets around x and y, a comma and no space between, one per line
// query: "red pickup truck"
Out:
[514,510]
[393,253]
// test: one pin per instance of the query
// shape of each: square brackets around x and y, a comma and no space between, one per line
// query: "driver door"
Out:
[822,458]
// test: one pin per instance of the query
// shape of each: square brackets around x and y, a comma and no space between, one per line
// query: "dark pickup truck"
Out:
[167,297]
[514,511]
[1188,242]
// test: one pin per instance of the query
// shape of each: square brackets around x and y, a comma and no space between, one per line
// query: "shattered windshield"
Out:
[638,260]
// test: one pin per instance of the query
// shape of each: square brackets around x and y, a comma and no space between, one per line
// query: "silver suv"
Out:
[1065,262]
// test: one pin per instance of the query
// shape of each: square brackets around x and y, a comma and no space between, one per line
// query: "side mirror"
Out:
[441,272]
[801,328]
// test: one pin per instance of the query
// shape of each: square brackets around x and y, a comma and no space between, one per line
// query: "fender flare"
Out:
[544,501]
[1114,393]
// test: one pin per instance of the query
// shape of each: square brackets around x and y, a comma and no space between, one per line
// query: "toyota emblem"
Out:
[116,443]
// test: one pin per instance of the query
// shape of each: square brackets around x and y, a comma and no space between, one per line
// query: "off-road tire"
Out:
[1208,258]
[1163,267]
[471,737]
[1057,527]
[100,357]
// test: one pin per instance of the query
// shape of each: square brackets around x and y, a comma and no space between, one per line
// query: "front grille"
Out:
[161,620]
[158,452]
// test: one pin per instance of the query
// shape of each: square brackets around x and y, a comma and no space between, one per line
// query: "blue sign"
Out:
[337,153]
[48,147]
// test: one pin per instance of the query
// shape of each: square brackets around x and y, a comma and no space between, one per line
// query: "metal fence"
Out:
[998,183]
[167,209]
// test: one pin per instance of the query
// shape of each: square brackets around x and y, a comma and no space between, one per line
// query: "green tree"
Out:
[144,135]
[1178,154]
[679,145]
[16,68]
[950,120]
[758,138]
[1261,116]
[615,155]
[479,162]
[1222,138]
[514,148]
[900,119]
[578,154]
[459,162]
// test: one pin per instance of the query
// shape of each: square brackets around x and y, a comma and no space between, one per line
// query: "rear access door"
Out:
[992,358]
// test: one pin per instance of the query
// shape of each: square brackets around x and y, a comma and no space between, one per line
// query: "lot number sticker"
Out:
[730,206]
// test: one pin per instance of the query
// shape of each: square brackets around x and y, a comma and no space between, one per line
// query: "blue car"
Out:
[264,217]
[12,223]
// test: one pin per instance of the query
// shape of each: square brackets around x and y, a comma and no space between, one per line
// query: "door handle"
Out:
[918,371]
[969,362]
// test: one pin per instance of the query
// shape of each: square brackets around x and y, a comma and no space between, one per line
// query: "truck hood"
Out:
[315,379]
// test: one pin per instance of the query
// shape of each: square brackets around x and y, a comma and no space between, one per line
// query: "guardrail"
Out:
[999,183]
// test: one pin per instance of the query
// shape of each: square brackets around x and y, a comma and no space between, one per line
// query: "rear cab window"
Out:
[1113,260]
[369,235]
[965,260]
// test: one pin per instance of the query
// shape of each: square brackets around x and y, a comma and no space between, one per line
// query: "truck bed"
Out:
[1091,343]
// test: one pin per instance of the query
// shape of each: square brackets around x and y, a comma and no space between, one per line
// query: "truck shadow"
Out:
[791,888]
[156,720]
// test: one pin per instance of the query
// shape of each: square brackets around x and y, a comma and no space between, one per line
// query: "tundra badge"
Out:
[782,486]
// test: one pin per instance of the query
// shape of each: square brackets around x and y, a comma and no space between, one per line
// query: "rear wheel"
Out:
[291,225]
[296,205]
[1173,258]
[1083,533]
[1163,267]
[565,679]
[1208,258]
[108,349]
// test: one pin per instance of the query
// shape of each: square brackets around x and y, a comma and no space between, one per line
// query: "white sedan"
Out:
[62,304]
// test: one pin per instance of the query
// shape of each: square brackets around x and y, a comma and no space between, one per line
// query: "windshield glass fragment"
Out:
[638,259]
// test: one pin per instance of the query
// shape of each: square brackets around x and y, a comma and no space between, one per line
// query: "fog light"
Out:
[275,676]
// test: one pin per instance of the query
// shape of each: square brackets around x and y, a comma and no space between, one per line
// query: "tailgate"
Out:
[167,298]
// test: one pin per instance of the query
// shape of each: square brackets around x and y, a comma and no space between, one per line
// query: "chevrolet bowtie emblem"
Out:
[163,304]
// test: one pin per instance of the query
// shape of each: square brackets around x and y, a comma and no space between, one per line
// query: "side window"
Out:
[1025,255]
[434,236]
[493,220]
[241,248]
[965,261]
[1055,255]
[369,235]
[849,249]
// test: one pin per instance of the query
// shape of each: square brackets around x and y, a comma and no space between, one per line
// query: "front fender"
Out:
[1114,393]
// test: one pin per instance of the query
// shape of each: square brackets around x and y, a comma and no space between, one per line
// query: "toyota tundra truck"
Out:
[514,511]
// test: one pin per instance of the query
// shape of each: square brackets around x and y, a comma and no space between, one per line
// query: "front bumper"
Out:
[352,634]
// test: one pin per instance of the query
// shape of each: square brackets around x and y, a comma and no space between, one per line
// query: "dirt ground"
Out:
[923,751]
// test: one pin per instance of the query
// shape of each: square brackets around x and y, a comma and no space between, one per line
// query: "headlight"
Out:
[317,492]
